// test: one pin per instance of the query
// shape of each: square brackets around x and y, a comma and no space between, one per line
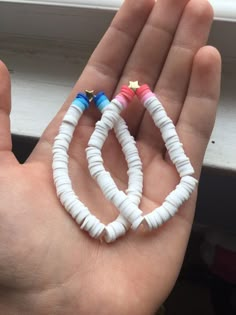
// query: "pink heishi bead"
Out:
[127,92]
[144,93]
[125,96]
[122,100]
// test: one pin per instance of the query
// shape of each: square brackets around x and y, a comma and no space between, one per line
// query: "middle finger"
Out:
[149,54]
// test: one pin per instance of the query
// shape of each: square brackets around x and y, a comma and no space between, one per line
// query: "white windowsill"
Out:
[98,4]
[224,9]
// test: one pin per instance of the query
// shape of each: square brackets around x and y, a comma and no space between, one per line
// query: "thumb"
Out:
[5,108]
[6,155]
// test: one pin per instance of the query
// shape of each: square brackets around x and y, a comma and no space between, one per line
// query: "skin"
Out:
[49,266]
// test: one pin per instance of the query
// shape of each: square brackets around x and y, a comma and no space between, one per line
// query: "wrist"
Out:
[14,302]
[70,300]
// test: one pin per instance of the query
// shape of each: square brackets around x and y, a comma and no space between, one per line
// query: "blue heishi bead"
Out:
[101,100]
[81,101]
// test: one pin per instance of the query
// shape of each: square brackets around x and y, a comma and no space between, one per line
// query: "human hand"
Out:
[49,266]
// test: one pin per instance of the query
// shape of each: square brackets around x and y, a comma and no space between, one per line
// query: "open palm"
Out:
[49,266]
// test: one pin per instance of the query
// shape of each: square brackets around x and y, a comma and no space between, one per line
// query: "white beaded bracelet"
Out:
[177,155]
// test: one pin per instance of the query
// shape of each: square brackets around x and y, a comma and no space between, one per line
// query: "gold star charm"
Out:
[134,85]
[90,94]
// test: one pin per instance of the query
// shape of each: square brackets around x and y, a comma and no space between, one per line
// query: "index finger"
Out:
[106,63]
